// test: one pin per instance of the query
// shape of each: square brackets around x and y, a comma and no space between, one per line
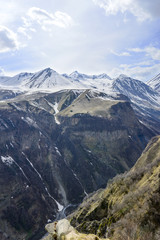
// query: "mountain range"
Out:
[144,97]
[63,137]
[48,79]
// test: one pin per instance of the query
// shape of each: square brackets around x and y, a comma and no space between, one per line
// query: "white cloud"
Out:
[86,46]
[112,7]
[8,40]
[24,31]
[144,70]
[152,52]
[138,71]
[122,54]
[137,50]
[2,72]
[46,19]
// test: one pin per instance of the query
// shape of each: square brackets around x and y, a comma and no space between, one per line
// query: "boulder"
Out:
[62,230]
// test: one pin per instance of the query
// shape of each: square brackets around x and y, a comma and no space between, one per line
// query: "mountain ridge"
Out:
[144,99]
[155,83]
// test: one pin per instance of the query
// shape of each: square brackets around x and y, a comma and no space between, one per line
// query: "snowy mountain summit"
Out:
[136,90]
[155,83]
[48,79]
[44,79]
[80,76]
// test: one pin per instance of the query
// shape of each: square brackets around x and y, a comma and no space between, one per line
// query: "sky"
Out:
[90,36]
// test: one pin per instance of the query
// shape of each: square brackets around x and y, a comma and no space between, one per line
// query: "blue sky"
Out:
[91,36]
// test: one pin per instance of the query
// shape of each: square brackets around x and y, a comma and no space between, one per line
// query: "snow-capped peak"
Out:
[136,90]
[103,75]
[77,75]
[81,76]
[123,76]
[46,79]
[23,75]
[155,83]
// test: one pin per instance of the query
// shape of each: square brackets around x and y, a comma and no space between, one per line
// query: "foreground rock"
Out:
[62,230]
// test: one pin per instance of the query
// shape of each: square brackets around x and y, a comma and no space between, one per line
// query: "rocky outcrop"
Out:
[62,230]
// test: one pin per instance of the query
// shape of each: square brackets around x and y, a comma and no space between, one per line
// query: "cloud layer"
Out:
[94,36]
[152,52]
[8,40]
[44,18]
[141,9]
[139,71]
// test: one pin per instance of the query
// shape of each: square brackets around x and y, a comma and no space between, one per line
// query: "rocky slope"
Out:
[55,148]
[7,94]
[144,100]
[129,208]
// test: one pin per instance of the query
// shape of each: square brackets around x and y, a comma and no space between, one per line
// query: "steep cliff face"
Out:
[129,207]
[100,138]
[55,149]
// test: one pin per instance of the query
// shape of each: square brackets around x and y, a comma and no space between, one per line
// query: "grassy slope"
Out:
[129,208]
[85,104]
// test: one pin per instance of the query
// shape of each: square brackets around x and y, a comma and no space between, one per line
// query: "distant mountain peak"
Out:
[155,83]
[123,76]
[23,74]
[78,75]
[103,75]
[48,70]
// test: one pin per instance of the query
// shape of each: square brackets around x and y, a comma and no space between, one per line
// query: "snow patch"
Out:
[80,183]
[16,107]
[7,160]
[60,207]
[11,144]
[55,106]
[57,151]
[30,121]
